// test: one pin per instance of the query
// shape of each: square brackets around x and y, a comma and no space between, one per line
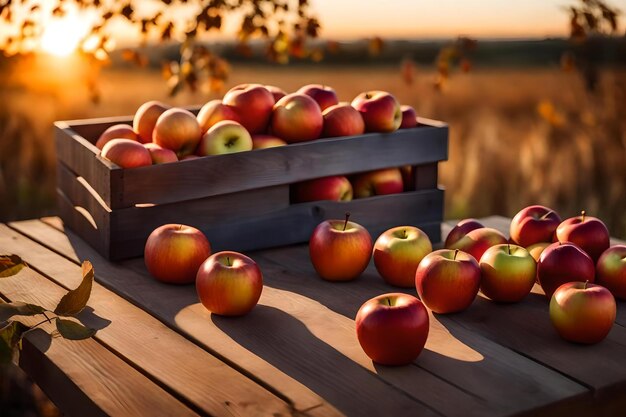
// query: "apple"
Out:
[563,262]
[508,273]
[340,249]
[324,95]
[380,111]
[447,280]
[229,284]
[146,117]
[178,130]
[534,224]
[253,103]
[397,253]
[297,118]
[409,117]
[266,141]
[277,92]
[392,328]
[381,182]
[215,111]
[589,233]
[342,120]
[582,312]
[336,188]
[461,229]
[537,249]
[611,270]
[477,241]
[408,177]
[223,137]
[160,155]
[174,252]
[126,153]
[119,131]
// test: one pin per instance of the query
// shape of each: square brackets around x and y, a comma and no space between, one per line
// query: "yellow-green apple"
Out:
[277,92]
[174,252]
[120,131]
[380,182]
[461,229]
[582,312]
[477,241]
[126,153]
[537,249]
[266,141]
[215,111]
[611,270]
[447,280]
[397,253]
[392,328]
[563,262]
[297,118]
[229,284]
[336,188]
[160,155]
[409,117]
[340,249]
[508,273]
[380,111]
[589,233]
[146,117]
[226,136]
[534,224]
[342,120]
[253,103]
[178,130]
[324,95]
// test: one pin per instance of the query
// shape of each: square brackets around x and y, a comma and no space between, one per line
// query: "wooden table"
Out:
[158,352]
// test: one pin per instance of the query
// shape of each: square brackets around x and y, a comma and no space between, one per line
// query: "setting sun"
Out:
[61,37]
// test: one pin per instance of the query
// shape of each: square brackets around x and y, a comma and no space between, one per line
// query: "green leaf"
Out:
[75,300]
[10,337]
[10,265]
[18,308]
[73,330]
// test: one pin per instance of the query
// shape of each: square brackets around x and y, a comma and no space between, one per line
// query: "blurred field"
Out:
[517,137]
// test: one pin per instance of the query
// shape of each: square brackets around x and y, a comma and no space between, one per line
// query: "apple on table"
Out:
[611,270]
[461,229]
[508,273]
[587,232]
[477,241]
[563,262]
[534,224]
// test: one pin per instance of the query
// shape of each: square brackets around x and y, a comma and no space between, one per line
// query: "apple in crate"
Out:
[146,117]
[409,117]
[178,130]
[226,136]
[174,252]
[582,312]
[447,280]
[392,328]
[229,284]
[342,120]
[476,242]
[380,111]
[380,182]
[461,229]
[324,95]
[119,131]
[297,118]
[340,250]
[397,253]
[253,103]
[160,155]
[589,233]
[563,262]
[534,224]
[215,111]
[277,92]
[261,141]
[508,273]
[126,153]
[336,188]
[611,270]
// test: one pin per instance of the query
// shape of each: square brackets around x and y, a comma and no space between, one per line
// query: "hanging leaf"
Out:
[73,330]
[10,338]
[18,308]
[10,265]
[74,301]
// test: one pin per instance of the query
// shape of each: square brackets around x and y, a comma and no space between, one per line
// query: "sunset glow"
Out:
[61,37]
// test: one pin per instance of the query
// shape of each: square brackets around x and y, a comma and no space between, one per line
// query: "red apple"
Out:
[477,241]
[229,284]
[611,270]
[178,130]
[398,252]
[534,224]
[340,249]
[253,103]
[408,177]
[381,182]
[380,111]
[342,120]
[336,188]
[120,131]
[126,153]
[297,118]
[266,141]
[215,111]
[324,95]
[392,328]
[508,273]
[146,117]
[160,155]
[582,312]
[447,281]
[409,117]
[563,262]
[277,92]
[461,229]
[537,249]
[174,252]
[223,137]
[589,233]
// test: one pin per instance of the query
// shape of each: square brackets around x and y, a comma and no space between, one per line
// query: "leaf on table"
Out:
[73,330]
[18,308]
[75,300]
[10,265]
[10,337]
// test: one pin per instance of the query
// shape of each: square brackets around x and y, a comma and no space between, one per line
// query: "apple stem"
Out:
[180,226]
[388,301]
[228,260]
[345,224]
[508,246]
[456,252]
[582,214]
[585,286]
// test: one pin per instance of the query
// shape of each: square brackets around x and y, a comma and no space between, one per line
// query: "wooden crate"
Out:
[241,201]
